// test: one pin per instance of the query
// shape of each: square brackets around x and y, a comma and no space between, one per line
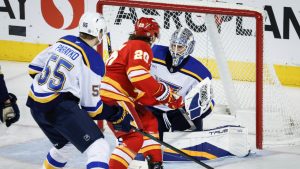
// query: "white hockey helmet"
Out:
[182,44]
[92,23]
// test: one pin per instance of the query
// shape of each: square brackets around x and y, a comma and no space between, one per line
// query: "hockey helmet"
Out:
[92,23]
[182,44]
[146,27]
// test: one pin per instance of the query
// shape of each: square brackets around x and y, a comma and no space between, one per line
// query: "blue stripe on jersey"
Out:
[90,56]
[40,94]
[193,67]
[160,52]
[196,67]
[37,68]
[93,109]
[55,163]
[97,164]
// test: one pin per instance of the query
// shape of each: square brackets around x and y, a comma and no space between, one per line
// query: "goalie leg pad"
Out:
[222,141]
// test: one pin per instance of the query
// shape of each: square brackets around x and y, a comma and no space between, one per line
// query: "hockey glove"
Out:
[199,99]
[167,96]
[121,120]
[10,112]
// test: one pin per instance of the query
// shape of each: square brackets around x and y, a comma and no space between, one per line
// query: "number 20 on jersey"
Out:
[138,54]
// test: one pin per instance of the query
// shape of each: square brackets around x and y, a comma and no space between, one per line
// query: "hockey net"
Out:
[229,41]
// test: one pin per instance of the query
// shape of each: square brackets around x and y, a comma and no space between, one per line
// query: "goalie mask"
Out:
[92,24]
[182,44]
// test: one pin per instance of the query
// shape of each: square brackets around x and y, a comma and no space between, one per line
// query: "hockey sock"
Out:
[152,148]
[123,154]
[55,159]
[98,155]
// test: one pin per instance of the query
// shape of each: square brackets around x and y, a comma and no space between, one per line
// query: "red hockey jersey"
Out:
[128,75]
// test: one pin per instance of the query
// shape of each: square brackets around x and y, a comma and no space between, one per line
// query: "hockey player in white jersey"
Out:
[64,96]
[174,65]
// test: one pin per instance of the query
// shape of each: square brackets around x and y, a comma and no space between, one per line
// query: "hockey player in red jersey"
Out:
[126,83]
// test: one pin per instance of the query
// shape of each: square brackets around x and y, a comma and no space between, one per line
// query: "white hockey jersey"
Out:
[69,68]
[181,78]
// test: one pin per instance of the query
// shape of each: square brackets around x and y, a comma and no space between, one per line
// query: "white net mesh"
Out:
[233,38]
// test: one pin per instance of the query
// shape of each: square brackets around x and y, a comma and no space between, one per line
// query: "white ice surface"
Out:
[24,146]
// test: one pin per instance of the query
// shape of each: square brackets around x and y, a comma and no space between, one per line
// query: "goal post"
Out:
[229,42]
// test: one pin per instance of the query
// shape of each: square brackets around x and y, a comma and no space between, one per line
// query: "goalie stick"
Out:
[188,119]
[172,148]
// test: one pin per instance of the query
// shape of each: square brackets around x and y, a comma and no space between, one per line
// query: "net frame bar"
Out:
[213,10]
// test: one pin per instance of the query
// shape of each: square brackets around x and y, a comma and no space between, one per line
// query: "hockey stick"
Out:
[172,148]
[109,50]
[188,119]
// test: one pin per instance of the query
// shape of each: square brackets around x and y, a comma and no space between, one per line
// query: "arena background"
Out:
[27,27]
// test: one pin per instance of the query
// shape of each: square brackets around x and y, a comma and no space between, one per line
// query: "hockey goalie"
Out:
[183,128]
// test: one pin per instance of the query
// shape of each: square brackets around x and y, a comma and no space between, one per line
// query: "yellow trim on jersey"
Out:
[127,151]
[136,68]
[151,147]
[154,135]
[194,153]
[42,99]
[115,96]
[121,160]
[115,84]
[33,72]
[139,78]
[79,48]
[98,111]
[140,94]
[192,74]
[47,165]
[159,60]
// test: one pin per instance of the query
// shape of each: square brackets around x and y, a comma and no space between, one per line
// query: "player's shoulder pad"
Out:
[90,56]
[160,52]
[196,69]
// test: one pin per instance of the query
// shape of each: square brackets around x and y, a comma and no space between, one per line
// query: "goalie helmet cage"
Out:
[229,41]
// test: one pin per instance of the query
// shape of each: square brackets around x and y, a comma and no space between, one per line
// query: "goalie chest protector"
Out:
[181,78]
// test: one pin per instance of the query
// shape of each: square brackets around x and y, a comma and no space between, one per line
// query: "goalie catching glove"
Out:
[199,99]
[9,112]
[165,95]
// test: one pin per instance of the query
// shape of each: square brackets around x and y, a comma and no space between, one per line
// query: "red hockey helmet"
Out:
[146,27]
